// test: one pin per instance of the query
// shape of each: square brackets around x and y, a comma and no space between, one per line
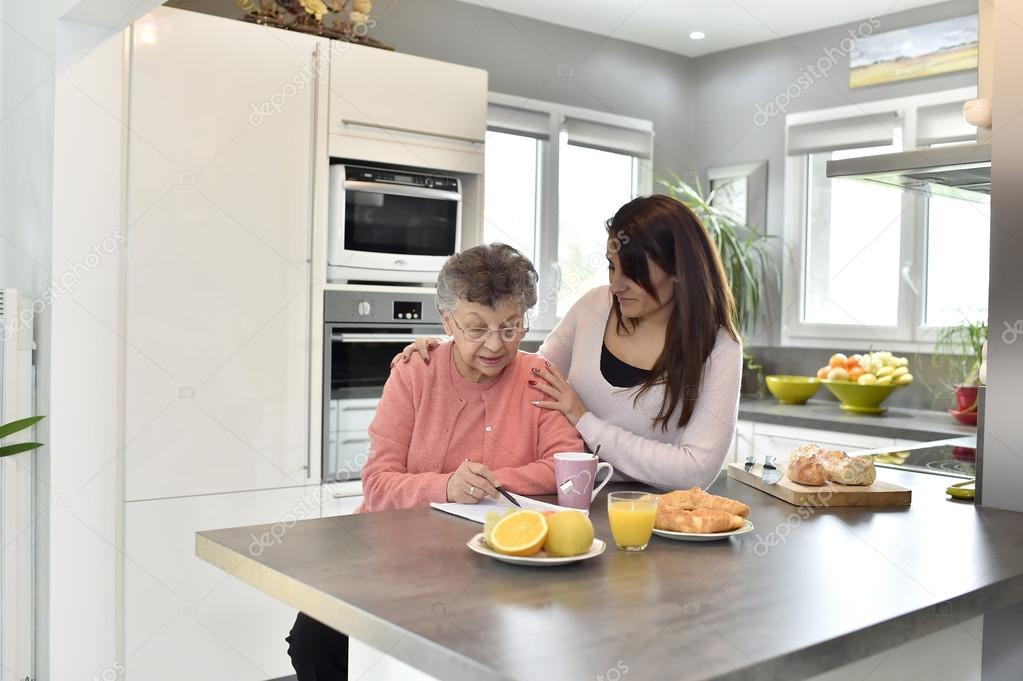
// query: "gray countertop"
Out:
[908,424]
[806,591]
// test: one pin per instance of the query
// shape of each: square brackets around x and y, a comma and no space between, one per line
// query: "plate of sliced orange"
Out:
[528,537]
[540,559]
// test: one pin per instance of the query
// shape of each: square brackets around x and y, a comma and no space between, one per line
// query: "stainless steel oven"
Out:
[364,327]
[391,225]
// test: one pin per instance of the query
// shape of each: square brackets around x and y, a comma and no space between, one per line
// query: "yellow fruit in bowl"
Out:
[519,533]
[867,379]
[838,374]
[569,533]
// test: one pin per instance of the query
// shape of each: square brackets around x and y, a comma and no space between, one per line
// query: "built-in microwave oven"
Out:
[391,225]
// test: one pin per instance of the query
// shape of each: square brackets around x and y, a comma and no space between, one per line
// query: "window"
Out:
[512,174]
[872,263]
[593,185]
[852,245]
[557,217]
[958,238]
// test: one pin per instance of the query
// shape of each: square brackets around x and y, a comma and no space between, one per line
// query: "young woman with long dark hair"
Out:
[649,366]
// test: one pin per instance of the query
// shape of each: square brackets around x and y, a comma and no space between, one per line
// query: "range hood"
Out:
[960,171]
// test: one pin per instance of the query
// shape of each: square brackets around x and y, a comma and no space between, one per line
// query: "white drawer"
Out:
[355,414]
[340,498]
[347,453]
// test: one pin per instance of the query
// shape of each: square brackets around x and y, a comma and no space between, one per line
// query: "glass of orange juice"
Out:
[631,515]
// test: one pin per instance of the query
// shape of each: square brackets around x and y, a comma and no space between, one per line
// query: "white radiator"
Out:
[17,501]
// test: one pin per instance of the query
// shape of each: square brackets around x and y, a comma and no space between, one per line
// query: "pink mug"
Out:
[574,474]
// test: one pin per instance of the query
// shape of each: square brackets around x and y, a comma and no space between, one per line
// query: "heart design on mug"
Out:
[581,482]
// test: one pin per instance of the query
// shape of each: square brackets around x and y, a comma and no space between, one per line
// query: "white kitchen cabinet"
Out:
[374,90]
[742,443]
[217,303]
[780,441]
[184,618]
[340,498]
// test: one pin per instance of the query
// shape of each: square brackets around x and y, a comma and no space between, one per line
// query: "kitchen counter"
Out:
[797,596]
[907,424]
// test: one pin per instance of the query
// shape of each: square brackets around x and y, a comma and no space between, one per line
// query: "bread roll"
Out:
[806,469]
[852,471]
[811,465]
[699,521]
[695,498]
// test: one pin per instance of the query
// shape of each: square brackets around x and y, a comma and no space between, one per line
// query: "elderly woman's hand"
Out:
[563,397]
[471,482]
[421,345]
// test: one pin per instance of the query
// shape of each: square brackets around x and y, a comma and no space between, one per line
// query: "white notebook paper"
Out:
[478,512]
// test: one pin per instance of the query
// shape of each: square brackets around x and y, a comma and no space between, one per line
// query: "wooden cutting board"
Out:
[880,493]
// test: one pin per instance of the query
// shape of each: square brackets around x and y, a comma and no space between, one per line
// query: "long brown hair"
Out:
[661,228]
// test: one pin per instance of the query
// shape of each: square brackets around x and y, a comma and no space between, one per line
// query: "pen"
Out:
[508,496]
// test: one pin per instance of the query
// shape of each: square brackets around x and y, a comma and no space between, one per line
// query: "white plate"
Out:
[693,536]
[479,545]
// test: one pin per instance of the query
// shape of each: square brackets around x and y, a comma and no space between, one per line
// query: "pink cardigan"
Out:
[430,419]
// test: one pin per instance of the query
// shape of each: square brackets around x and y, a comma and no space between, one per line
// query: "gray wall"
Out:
[728,86]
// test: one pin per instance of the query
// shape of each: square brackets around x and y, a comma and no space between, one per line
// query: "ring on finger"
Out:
[472,491]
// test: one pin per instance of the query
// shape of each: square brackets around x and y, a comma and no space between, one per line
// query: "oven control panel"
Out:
[372,307]
[408,310]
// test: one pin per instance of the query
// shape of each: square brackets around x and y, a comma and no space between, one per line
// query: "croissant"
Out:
[696,498]
[699,521]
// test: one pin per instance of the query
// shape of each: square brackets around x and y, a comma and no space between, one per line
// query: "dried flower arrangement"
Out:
[348,20]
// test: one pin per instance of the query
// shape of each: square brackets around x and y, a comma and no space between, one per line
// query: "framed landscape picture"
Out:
[916,52]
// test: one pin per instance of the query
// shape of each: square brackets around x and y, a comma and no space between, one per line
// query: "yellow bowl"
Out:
[793,389]
[860,399]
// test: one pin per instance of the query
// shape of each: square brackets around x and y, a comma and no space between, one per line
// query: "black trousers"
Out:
[318,653]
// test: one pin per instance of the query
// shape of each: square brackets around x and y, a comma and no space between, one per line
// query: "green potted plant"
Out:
[14,427]
[744,253]
[958,353]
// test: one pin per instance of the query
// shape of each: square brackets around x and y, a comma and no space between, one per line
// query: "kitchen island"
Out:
[803,593]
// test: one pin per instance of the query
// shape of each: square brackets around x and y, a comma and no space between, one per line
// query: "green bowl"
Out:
[860,399]
[793,389]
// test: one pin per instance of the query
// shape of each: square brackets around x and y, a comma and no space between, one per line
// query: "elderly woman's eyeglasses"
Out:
[477,334]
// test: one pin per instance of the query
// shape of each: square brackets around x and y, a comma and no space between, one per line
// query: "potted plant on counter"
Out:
[745,255]
[959,350]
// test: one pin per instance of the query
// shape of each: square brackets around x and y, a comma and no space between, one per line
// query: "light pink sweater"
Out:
[674,459]
[430,419]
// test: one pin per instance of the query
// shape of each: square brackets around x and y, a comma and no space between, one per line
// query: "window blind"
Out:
[942,123]
[518,121]
[844,133]
[617,139]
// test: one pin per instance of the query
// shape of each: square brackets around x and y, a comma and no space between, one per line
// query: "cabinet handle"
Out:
[395,128]
[368,407]
[354,440]
[349,494]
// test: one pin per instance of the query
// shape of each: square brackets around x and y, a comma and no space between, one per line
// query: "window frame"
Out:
[548,205]
[910,332]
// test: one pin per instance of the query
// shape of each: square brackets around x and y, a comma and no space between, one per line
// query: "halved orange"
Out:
[521,533]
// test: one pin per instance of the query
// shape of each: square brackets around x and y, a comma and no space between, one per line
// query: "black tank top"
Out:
[618,373]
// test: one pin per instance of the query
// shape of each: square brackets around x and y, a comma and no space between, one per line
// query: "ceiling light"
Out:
[697,35]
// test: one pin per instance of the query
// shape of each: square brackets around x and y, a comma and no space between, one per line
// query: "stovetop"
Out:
[956,457]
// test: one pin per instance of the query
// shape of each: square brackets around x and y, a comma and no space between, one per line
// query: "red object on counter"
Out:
[968,418]
[966,397]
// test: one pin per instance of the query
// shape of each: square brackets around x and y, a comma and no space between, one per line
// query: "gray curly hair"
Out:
[487,274]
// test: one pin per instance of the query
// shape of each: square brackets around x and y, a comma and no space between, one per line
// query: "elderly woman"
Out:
[456,428]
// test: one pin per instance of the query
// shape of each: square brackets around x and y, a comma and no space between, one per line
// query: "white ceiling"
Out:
[666,24]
